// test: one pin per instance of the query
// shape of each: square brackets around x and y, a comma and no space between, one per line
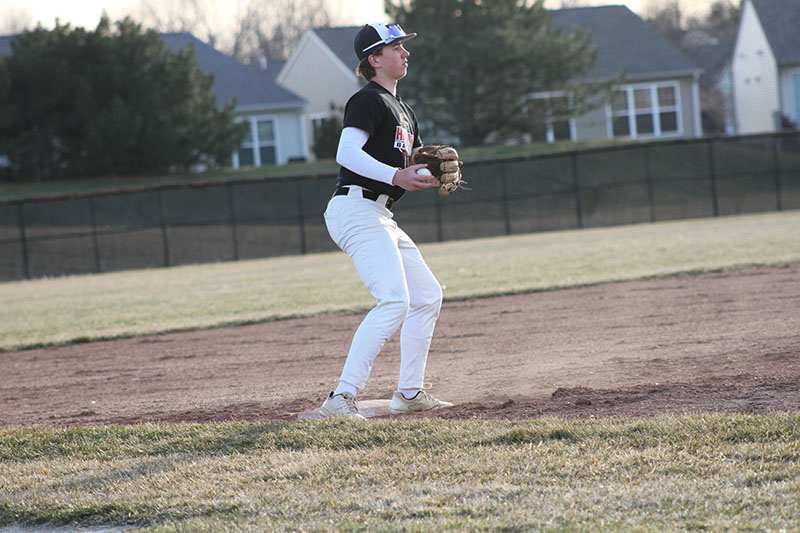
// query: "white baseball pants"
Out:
[392,268]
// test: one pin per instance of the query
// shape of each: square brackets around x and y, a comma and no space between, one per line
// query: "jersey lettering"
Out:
[403,141]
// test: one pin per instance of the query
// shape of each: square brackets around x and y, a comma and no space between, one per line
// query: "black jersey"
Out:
[393,133]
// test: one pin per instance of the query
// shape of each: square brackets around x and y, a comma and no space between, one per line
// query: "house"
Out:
[5,45]
[766,66]
[276,116]
[659,98]
[278,132]
[714,57]
[322,70]
[660,95]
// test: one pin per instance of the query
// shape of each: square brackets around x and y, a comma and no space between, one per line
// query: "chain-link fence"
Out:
[210,222]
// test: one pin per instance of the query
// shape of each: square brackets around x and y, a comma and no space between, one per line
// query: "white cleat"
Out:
[421,402]
[341,406]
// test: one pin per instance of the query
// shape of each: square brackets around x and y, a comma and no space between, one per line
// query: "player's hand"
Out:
[408,179]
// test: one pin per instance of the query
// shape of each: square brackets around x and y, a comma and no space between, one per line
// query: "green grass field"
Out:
[710,473]
[675,473]
[92,307]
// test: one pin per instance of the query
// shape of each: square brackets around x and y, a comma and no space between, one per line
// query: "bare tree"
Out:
[721,21]
[667,17]
[275,26]
[670,17]
[247,29]
[202,18]
[15,20]
[566,4]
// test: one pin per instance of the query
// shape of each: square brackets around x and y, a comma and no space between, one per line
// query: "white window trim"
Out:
[550,135]
[793,90]
[655,111]
[255,142]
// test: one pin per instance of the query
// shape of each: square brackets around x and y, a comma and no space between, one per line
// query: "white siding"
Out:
[289,134]
[755,77]
[790,94]
[315,73]
[598,123]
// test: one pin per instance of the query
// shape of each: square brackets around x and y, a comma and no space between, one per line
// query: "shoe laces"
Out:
[350,402]
[426,394]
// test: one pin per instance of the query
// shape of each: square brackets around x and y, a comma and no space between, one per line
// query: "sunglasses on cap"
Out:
[387,34]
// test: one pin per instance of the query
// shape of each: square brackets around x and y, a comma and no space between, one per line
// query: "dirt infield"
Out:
[715,342]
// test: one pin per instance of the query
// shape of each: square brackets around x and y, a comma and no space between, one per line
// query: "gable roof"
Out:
[252,87]
[780,20]
[713,58]
[621,36]
[624,39]
[5,44]
[232,79]
[340,41]
[274,67]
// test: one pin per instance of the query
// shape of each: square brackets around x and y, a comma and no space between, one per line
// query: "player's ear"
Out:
[374,60]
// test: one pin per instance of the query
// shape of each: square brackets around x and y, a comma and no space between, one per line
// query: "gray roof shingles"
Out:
[250,86]
[712,58]
[340,41]
[622,38]
[781,22]
[5,45]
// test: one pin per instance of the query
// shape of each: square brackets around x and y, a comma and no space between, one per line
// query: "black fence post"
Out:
[23,240]
[712,169]
[95,243]
[649,177]
[577,189]
[164,238]
[776,144]
[301,219]
[506,206]
[234,229]
[437,206]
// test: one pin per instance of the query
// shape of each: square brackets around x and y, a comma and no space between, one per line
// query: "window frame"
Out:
[255,143]
[653,111]
[550,136]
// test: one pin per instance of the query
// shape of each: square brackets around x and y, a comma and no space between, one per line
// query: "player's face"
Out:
[394,60]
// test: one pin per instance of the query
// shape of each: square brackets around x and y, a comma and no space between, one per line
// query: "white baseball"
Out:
[424,172]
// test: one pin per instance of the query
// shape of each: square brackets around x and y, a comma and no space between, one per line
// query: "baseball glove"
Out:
[442,161]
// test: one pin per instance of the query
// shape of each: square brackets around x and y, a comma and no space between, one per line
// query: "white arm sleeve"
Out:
[351,156]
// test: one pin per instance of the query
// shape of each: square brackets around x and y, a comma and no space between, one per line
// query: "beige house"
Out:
[766,66]
[322,71]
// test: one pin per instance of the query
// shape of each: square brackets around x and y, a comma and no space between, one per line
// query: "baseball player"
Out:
[378,137]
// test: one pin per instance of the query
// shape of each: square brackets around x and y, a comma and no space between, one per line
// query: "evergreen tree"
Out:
[107,102]
[477,63]
[326,135]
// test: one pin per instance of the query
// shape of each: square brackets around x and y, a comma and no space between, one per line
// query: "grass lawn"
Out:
[671,473]
[664,474]
[92,307]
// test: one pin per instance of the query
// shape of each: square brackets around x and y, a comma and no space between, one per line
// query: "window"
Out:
[258,147]
[645,111]
[555,128]
[796,82]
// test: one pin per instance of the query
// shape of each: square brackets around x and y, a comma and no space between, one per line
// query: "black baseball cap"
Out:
[372,36]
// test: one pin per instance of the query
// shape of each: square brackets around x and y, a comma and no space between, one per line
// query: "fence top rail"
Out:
[136,189]
[199,184]
[638,145]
